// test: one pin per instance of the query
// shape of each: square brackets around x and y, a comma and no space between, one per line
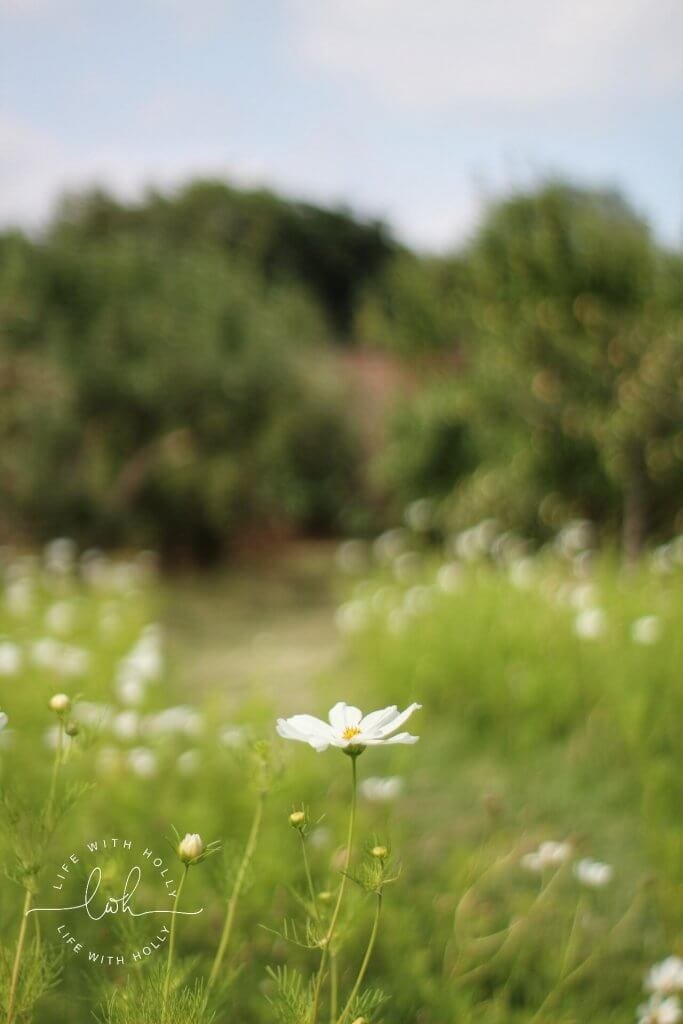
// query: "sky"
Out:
[415,111]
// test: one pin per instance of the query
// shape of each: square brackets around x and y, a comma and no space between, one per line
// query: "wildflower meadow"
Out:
[485,828]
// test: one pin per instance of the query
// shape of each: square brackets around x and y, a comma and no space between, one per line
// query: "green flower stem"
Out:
[28,895]
[335,914]
[235,894]
[17,957]
[366,960]
[334,985]
[49,807]
[171,939]
[309,880]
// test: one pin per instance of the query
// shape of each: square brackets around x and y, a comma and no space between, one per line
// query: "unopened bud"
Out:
[71,729]
[325,897]
[60,703]
[380,852]
[297,819]
[191,847]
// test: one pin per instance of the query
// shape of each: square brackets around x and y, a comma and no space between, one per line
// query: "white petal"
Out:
[378,741]
[398,720]
[309,725]
[317,739]
[376,719]
[3,719]
[342,716]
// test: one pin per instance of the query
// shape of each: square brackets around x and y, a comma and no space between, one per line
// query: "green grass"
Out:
[528,733]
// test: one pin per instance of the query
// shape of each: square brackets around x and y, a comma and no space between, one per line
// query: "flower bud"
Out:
[297,819]
[360,1020]
[380,852]
[325,897]
[191,847]
[71,729]
[60,703]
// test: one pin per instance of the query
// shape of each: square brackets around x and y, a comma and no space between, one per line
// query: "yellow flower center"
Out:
[350,732]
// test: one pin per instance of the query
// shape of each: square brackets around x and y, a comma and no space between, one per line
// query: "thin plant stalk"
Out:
[366,960]
[171,939]
[334,986]
[249,850]
[49,807]
[17,958]
[28,895]
[340,896]
[309,880]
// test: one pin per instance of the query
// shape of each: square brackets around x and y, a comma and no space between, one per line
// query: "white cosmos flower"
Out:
[593,873]
[665,977]
[348,728]
[660,1011]
[548,855]
[590,623]
[10,658]
[645,630]
[380,791]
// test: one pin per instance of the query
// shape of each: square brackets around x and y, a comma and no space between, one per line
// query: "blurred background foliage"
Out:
[199,370]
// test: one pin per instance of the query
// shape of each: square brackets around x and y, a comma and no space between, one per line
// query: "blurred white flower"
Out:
[108,760]
[522,573]
[320,837]
[126,725]
[382,790]
[663,559]
[96,716]
[352,556]
[449,578]
[60,555]
[10,658]
[593,873]
[590,623]
[406,566]
[3,720]
[548,855]
[19,597]
[389,545]
[419,515]
[468,545]
[51,737]
[665,977]
[72,661]
[233,736]
[418,600]
[351,617]
[659,1011]
[60,617]
[576,536]
[188,762]
[348,728]
[582,595]
[180,720]
[45,652]
[143,762]
[130,690]
[646,630]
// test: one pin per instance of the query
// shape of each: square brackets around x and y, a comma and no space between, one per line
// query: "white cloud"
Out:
[36,167]
[435,53]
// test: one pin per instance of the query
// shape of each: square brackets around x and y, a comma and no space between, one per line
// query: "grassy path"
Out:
[262,629]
